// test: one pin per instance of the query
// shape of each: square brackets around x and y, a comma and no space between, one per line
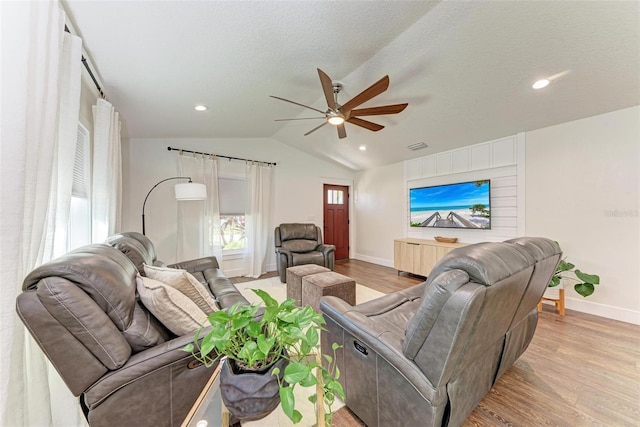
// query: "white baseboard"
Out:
[374,260]
[603,310]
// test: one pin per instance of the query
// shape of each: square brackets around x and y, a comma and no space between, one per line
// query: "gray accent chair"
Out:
[298,244]
[126,368]
[427,355]
[141,250]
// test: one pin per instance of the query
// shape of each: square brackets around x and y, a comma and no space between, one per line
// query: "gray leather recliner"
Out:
[122,363]
[298,244]
[427,355]
[140,250]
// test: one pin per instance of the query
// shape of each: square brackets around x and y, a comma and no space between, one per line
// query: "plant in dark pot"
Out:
[266,355]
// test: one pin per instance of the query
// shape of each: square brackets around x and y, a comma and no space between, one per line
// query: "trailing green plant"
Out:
[585,285]
[254,342]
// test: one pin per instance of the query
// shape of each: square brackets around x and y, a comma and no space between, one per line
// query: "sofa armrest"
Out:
[146,363]
[287,254]
[377,337]
[329,253]
[194,265]
[326,249]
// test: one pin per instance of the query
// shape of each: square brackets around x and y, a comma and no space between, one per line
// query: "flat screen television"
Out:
[460,205]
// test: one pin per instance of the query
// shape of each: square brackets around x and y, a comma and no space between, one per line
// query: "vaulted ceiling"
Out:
[465,68]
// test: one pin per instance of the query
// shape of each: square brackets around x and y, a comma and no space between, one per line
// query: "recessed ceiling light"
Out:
[201,108]
[540,84]
[362,148]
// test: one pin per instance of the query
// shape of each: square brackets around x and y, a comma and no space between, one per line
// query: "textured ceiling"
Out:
[465,68]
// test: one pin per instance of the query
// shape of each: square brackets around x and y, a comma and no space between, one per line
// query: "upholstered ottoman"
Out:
[331,283]
[294,279]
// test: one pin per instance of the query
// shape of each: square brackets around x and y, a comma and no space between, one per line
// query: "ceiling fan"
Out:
[337,114]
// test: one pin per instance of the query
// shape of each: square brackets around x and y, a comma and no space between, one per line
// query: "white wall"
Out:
[378,201]
[583,191]
[298,184]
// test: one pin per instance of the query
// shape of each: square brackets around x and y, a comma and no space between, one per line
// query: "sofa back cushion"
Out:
[299,231]
[470,301]
[99,284]
[133,249]
[144,241]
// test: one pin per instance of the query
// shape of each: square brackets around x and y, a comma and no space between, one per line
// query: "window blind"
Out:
[232,195]
[81,164]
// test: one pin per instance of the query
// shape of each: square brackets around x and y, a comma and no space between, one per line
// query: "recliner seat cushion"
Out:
[300,245]
[308,258]
[177,312]
[184,282]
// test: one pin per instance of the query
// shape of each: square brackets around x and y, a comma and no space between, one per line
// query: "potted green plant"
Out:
[271,346]
[585,285]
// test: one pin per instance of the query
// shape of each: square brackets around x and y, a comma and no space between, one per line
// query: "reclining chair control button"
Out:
[360,348]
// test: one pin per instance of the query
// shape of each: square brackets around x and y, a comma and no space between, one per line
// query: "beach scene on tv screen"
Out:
[462,205]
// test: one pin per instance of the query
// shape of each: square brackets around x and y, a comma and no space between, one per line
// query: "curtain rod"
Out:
[218,155]
[86,65]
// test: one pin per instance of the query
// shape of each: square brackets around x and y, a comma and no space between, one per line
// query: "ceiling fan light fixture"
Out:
[201,107]
[336,120]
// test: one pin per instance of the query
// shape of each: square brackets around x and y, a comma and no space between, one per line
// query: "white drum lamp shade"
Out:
[191,191]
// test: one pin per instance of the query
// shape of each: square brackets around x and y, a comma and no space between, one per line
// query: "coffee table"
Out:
[209,410]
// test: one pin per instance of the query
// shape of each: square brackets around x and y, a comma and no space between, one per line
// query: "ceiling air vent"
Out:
[417,146]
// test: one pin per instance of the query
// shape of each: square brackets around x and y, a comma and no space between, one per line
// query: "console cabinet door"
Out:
[419,256]
[403,256]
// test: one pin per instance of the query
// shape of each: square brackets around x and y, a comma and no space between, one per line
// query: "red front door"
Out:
[336,218]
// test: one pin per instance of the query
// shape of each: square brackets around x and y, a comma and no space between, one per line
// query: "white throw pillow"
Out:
[177,312]
[183,281]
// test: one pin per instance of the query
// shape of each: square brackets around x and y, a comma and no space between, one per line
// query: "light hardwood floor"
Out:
[580,370]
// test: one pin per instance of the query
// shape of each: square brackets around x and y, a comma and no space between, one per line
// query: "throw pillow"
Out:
[177,312]
[183,281]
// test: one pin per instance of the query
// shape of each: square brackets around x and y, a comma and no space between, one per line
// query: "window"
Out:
[232,194]
[335,197]
[80,213]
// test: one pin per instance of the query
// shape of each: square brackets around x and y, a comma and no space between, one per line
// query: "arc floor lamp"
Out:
[186,191]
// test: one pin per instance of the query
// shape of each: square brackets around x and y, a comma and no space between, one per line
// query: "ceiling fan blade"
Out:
[374,111]
[300,118]
[365,124]
[315,128]
[297,103]
[342,132]
[375,89]
[327,87]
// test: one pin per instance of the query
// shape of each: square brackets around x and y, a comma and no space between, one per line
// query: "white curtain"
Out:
[199,221]
[258,216]
[42,65]
[106,194]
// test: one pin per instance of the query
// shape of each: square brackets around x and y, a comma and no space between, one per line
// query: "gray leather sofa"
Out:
[298,244]
[126,368]
[140,250]
[427,355]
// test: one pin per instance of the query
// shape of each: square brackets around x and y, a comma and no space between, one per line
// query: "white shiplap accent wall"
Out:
[501,161]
